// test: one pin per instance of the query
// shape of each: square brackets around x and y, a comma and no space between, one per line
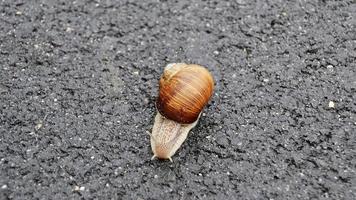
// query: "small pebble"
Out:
[331,104]
[77,188]
[69,29]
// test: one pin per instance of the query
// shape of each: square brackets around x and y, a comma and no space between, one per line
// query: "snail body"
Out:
[167,136]
[184,90]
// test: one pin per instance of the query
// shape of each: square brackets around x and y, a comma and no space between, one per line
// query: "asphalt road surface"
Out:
[79,80]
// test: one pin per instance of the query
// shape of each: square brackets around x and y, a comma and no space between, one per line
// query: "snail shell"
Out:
[184,90]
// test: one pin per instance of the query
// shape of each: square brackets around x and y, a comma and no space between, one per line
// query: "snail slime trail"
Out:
[184,90]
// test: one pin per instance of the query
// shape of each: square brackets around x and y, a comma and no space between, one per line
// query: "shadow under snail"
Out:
[184,90]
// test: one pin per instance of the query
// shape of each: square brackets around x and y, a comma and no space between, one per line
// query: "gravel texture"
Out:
[79,79]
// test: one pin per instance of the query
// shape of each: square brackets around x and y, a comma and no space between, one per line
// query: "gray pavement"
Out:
[79,79]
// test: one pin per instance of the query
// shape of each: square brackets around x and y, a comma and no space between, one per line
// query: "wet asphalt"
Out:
[79,80]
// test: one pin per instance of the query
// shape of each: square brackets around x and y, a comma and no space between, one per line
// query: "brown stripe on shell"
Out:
[181,102]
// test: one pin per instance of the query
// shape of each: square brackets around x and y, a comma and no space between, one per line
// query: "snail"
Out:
[184,90]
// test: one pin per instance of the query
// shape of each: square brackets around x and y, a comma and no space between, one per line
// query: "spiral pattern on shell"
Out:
[184,90]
